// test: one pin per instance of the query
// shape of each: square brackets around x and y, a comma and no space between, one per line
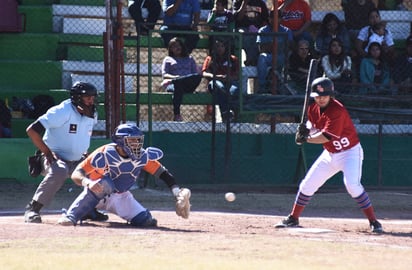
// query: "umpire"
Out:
[67,129]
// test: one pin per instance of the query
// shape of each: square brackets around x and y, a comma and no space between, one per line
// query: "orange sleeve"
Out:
[92,172]
[206,63]
[152,166]
[235,69]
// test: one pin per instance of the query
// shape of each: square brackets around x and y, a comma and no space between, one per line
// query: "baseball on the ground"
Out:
[230,196]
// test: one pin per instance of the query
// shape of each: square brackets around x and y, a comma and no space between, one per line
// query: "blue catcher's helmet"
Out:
[130,138]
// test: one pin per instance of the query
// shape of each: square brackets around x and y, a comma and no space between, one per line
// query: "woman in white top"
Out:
[337,66]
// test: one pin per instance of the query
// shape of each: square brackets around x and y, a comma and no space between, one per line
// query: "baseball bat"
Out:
[313,69]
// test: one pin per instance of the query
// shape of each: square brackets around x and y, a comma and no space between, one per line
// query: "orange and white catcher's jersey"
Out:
[105,160]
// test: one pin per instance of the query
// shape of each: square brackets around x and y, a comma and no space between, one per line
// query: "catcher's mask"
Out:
[80,90]
[130,138]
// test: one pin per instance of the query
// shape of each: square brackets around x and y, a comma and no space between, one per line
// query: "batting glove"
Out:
[303,130]
[299,138]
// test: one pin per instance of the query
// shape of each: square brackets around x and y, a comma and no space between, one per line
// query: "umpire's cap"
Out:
[322,86]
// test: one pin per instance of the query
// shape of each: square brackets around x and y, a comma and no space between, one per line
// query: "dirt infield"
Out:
[223,235]
[398,233]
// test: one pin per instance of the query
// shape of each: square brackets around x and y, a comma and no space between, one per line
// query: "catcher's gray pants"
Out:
[55,175]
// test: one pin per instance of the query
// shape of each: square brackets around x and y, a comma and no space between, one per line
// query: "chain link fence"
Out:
[74,50]
[82,55]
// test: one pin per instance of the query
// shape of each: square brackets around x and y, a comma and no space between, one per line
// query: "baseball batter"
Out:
[329,124]
[111,170]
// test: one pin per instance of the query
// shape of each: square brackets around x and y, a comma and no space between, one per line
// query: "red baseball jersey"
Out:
[334,121]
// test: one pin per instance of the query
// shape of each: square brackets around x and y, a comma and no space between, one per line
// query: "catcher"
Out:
[111,170]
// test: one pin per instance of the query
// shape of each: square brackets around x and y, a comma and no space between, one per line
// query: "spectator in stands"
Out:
[221,69]
[377,34]
[299,62]
[145,14]
[297,16]
[337,66]
[356,15]
[374,72]
[366,32]
[400,5]
[265,40]
[382,5]
[402,71]
[220,19]
[181,15]
[392,5]
[5,120]
[250,15]
[180,74]
[331,28]
[362,41]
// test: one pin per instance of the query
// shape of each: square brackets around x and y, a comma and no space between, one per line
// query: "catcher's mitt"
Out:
[183,203]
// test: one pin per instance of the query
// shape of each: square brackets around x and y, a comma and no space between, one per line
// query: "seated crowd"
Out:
[358,55]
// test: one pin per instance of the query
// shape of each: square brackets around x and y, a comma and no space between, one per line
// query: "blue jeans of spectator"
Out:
[250,46]
[190,40]
[5,132]
[180,86]
[264,65]
[218,90]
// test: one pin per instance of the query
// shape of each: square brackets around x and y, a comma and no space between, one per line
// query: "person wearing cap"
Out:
[402,71]
[62,135]
[329,124]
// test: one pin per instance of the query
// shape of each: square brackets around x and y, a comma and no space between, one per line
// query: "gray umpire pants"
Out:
[55,175]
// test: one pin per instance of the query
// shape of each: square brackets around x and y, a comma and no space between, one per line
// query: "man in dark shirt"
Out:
[356,15]
[250,15]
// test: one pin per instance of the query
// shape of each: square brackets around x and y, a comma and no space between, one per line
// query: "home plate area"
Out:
[309,230]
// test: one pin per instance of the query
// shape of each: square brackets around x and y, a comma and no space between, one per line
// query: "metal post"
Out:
[274,60]
[149,90]
[108,49]
[380,154]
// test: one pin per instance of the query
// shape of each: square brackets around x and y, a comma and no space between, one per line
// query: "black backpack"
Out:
[41,104]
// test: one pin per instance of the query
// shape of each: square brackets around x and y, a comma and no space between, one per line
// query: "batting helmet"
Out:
[79,90]
[322,86]
[130,138]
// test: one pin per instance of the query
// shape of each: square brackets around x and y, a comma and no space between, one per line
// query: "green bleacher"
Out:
[31,62]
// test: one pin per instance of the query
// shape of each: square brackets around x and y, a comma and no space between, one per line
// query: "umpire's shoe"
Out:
[95,215]
[32,214]
[289,221]
[376,227]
